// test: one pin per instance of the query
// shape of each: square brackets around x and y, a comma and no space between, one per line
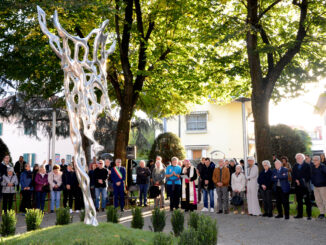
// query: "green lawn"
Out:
[79,233]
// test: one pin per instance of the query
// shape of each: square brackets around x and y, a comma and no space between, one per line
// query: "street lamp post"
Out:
[243,101]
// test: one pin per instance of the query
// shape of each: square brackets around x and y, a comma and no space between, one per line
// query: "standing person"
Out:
[49,166]
[287,165]
[318,179]
[94,161]
[55,181]
[142,181]
[92,181]
[252,188]
[63,166]
[107,164]
[238,184]
[118,176]
[158,177]
[199,169]
[207,184]
[77,192]
[242,165]
[3,169]
[301,174]
[281,188]
[265,188]
[35,171]
[67,183]
[189,194]
[9,183]
[41,181]
[100,177]
[173,183]
[221,178]
[26,185]
[231,167]
[322,159]
[19,167]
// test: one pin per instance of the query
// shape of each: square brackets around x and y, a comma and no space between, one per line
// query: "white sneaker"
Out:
[71,211]
[212,210]
[77,211]
[204,209]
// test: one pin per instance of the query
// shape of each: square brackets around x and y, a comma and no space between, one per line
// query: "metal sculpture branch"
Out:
[84,81]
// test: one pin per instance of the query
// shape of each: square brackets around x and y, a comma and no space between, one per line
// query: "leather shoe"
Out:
[279,216]
[298,217]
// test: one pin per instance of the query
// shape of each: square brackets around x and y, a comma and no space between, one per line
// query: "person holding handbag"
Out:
[238,185]
[55,181]
[41,187]
[158,177]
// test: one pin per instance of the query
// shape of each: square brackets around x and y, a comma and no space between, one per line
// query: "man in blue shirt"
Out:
[173,183]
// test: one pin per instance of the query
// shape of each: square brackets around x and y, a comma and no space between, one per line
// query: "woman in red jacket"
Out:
[41,184]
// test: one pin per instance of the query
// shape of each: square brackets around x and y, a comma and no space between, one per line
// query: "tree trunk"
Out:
[122,136]
[260,109]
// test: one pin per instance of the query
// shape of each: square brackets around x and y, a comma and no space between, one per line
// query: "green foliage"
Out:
[137,221]
[177,222]
[193,220]
[8,224]
[82,215]
[189,237]
[162,239]
[207,230]
[287,141]
[167,145]
[126,241]
[112,214]
[63,216]
[3,150]
[81,242]
[33,219]
[158,220]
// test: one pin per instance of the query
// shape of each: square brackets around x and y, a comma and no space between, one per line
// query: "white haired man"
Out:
[142,181]
[318,179]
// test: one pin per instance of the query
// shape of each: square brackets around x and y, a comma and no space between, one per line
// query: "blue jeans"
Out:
[40,200]
[143,192]
[55,199]
[100,191]
[211,198]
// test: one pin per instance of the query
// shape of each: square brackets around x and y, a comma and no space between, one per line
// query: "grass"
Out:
[79,233]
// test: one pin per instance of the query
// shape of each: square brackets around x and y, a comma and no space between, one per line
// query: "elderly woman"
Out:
[55,181]
[9,182]
[252,188]
[26,185]
[189,195]
[265,188]
[238,185]
[158,177]
[281,188]
[286,164]
[41,182]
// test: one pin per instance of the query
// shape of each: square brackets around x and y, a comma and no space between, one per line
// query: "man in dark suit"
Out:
[281,188]
[118,176]
[301,176]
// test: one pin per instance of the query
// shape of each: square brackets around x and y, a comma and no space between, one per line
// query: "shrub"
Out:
[193,220]
[8,225]
[112,215]
[162,239]
[33,219]
[126,241]
[177,221]
[189,237]
[81,242]
[3,150]
[63,216]
[207,230]
[158,220]
[82,215]
[137,221]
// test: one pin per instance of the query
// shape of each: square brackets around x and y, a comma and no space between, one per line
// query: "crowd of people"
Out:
[186,185]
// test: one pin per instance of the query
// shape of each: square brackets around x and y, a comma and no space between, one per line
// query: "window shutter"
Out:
[33,159]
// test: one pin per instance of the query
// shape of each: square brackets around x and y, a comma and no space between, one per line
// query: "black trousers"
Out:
[282,199]
[302,193]
[68,196]
[174,194]
[7,201]
[267,201]
[78,195]
[26,200]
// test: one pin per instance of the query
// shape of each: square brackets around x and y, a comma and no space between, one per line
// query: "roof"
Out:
[320,106]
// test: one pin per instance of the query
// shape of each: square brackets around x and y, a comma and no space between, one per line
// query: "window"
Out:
[1,126]
[30,158]
[30,128]
[68,159]
[196,122]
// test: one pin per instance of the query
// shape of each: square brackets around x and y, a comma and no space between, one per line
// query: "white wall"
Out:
[18,143]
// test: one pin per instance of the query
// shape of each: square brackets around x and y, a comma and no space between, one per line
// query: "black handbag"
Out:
[46,188]
[237,200]
[154,191]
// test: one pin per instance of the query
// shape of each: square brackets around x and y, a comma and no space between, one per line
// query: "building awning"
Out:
[196,147]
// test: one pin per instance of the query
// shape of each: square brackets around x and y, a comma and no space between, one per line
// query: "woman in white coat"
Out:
[238,184]
[252,188]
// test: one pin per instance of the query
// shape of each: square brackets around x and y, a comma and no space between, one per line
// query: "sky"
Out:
[299,112]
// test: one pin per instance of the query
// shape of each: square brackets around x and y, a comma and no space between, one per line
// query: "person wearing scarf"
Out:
[118,177]
[189,194]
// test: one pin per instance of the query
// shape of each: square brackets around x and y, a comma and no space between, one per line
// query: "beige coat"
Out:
[54,177]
